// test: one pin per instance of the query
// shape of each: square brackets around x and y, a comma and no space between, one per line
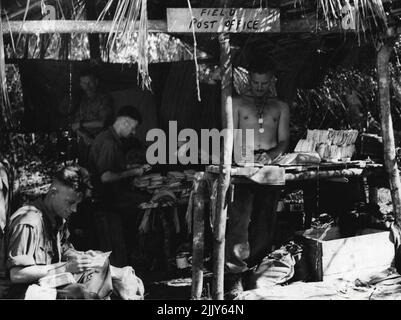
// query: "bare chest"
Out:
[267,116]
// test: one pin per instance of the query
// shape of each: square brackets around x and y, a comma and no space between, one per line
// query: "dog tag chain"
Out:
[260,116]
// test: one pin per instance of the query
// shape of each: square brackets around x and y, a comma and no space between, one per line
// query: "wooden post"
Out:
[198,241]
[390,160]
[224,169]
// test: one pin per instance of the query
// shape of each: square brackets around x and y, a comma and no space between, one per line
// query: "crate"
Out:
[331,256]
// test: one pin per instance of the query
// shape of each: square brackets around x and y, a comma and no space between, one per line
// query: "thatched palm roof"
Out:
[278,47]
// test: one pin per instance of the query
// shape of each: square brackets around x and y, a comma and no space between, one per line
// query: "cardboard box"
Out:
[331,256]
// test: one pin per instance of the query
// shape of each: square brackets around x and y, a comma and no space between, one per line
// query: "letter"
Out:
[249,23]
[231,24]
[238,24]
[212,22]
[255,25]
[244,149]
[210,311]
[203,11]
[188,311]
[192,147]
[348,21]
[160,310]
[192,21]
[159,146]
[239,309]
[172,142]
[216,136]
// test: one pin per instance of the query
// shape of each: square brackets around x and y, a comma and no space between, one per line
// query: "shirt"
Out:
[107,154]
[36,236]
[98,108]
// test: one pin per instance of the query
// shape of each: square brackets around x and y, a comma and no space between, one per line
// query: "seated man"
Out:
[38,244]
[95,112]
[253,210]
[113,185]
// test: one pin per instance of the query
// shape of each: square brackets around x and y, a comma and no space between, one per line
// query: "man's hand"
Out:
[79,264]
[264,158]
[137,172]
[145,167]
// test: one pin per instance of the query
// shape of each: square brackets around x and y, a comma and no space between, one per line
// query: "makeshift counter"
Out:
[271,175]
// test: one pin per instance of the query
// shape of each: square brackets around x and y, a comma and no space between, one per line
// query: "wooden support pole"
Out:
[198,241]
[390,160]
[71,26]
[224,168]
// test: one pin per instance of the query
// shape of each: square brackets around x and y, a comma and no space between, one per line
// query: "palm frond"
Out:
[143,60]
[23,20]
[368,13]
[126,14]
[5,101]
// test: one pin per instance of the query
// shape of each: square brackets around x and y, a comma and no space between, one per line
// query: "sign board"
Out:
[217,20]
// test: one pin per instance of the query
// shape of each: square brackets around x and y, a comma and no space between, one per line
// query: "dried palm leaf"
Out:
[5,101]
[195,47]
[143,58]
[23,19]
[368,13]
[11,34]
[126,14]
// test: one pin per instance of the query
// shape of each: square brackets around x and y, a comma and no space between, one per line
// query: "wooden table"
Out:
[283,175]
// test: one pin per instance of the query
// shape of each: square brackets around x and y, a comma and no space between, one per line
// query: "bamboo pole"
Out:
[71,26]
[390,160]
[224,169]
[198,241]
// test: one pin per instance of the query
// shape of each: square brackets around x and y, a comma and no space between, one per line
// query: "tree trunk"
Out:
[224,168]
[390,160]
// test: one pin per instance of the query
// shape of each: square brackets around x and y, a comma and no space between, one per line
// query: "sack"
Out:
[276,268]
[95,284]
[129,286]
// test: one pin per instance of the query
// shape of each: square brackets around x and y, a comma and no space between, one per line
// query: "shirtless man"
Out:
[265,114]
[254,207]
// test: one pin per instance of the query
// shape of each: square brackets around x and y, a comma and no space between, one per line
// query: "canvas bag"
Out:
[276,268]
[129,286]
